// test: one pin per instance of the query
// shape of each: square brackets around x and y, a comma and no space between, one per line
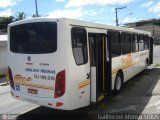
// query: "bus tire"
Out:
[118,83]
[146,64]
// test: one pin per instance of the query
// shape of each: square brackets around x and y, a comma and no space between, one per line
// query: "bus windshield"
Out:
[34,38]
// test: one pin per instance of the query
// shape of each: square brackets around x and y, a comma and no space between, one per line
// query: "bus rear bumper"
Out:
[59,103]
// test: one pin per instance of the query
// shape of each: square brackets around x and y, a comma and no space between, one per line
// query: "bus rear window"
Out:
[34,38]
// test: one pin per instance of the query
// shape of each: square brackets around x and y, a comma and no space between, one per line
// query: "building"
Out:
[3,54]
[152,25]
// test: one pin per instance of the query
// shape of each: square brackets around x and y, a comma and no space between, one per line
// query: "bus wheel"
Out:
[118,83]
[146,64]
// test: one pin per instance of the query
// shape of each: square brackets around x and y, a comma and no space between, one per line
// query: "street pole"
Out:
[116,17]
[36,8]
[116,9]
[153,28]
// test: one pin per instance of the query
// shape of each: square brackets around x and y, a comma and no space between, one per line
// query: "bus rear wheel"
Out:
[118,83]
[146,64]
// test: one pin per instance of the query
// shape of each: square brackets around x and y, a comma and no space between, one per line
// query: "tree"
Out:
[4,21]
[20,16]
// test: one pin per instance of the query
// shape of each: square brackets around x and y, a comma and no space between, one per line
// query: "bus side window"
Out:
[79,45]
[126,43]
[116,43]
[134,40]
[146,42]
[141,43]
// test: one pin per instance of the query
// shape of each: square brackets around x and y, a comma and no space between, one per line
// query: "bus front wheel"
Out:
[118,83]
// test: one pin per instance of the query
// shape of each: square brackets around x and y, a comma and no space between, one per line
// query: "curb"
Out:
[153,85]
[151,89]
[5,83]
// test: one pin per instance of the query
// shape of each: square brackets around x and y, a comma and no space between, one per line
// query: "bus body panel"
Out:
[75,84]
[138,64]
[39,73]
[78,84]
[35,75]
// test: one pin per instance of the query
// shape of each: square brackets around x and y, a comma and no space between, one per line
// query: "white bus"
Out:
[67,64]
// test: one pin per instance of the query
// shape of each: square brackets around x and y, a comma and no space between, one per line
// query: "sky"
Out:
[100,11]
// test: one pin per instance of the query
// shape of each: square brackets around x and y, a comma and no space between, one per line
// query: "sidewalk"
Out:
[153,106]
[154,89]
[4,89]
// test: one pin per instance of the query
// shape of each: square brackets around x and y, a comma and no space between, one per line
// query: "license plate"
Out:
[32,91]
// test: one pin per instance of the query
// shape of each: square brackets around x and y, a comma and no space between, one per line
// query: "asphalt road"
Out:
[140,95]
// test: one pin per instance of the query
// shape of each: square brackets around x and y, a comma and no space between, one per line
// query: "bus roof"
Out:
[103,26]
[74,22]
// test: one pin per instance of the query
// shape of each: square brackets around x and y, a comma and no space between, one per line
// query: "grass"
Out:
[157,65]
[2,75]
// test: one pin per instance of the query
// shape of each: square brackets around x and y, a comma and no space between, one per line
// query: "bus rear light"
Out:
[49,104]
[11,78]
[60,84]
[58,104]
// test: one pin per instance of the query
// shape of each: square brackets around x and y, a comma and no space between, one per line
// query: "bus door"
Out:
[99,61]
[151,51]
